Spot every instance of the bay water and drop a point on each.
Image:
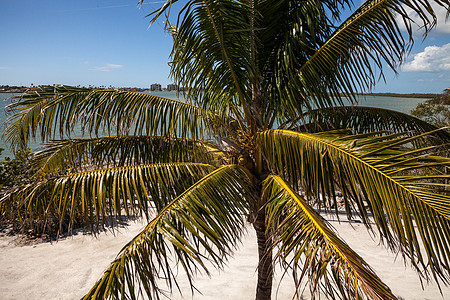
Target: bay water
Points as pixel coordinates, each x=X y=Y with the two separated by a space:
x=401 y=104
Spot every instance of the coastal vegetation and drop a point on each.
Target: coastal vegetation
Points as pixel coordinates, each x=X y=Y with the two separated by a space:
x=435 y=111
x=16 y=173
x=262 y=138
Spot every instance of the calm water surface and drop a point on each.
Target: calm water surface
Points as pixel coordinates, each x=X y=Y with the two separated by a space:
x=394 y=103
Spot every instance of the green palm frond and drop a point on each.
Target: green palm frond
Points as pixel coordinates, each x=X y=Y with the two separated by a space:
x=204 y=55
x=348 y=59
x=205 y=223
x=329 y=264
x=364 y=120
x=94 y=196
x=74 y=155
x=292 y=31
x=51 y=110
x=378 y=175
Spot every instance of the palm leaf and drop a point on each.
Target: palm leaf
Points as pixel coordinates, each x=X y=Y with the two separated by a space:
x=75 y=155
x=58 y=109
x=206 y=218
x=292 y=31
x=98 y=196
x=300 y=233
x=165 y=7
x=370 y=37
x=364 y=120
x=379 y=175
x=206 y=59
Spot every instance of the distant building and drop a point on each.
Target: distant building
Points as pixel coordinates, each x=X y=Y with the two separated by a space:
x=155 y=87
x=172 y=87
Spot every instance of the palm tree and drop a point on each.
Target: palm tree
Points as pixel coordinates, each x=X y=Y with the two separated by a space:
x=262 y=138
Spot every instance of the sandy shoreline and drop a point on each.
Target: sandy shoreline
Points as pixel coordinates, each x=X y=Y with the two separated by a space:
x=68 y=268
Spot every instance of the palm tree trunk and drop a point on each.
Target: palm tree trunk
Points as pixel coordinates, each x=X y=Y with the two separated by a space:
x=265 y=267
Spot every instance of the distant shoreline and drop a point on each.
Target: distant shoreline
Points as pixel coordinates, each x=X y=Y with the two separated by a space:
x=411 y=95
x=12 y=91
x=21 y=89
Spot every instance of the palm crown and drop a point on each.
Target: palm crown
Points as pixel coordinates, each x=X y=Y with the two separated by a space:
x=258 y=140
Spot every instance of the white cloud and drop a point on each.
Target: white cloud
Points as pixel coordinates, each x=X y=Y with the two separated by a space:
x=432 y=59
x=442 y=27
x=108 y=67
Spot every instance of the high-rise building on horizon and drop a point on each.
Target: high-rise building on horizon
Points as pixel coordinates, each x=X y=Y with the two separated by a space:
x=172 y=87
x=155 y=87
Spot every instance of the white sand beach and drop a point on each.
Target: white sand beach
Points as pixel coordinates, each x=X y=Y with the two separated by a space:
x=68 y=268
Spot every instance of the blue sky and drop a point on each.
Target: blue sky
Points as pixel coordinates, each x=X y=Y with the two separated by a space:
x=109 y=42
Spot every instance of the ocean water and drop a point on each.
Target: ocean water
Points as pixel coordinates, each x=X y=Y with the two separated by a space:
x=404 y=105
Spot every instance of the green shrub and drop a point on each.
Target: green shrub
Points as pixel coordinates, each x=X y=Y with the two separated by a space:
x=15 y=174
x=16 y=171
x=433 y=112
